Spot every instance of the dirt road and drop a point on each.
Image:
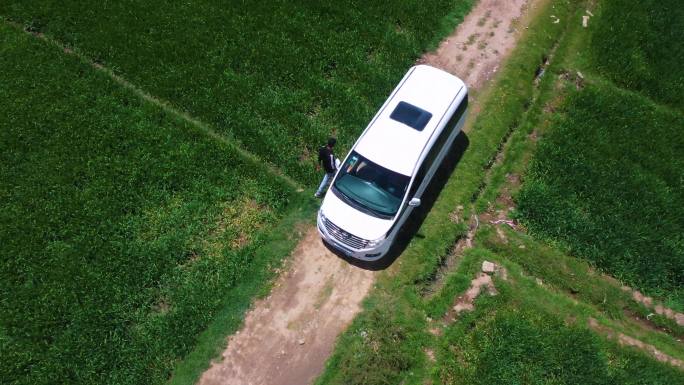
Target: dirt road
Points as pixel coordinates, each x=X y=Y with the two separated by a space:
x=474 y=51
x=288 y=336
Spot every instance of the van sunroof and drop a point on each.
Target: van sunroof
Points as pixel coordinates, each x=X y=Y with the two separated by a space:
x=411 y=115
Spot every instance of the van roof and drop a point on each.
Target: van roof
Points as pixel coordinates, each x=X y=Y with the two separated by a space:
x=396 y=145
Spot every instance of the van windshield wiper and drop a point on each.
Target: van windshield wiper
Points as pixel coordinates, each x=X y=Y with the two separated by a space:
x=358 y=205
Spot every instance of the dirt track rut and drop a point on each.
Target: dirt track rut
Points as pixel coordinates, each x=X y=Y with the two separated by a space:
x=474 y=51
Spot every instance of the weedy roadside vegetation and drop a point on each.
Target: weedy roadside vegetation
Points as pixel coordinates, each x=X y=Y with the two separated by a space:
x=527 y=333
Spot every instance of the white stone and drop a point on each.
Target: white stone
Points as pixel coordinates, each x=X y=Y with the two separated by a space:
x=488 y=267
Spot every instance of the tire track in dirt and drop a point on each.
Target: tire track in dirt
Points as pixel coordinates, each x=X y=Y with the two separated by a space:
x=287 y=337
x=658 y=308
x=486 y=36
x=626 y=340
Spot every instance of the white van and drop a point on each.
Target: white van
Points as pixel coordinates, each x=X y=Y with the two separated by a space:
x=389 y=167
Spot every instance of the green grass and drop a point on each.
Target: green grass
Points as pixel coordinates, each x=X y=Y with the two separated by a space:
x=124 y=229
x=142 y=240
x=384 y=347
x=536 y=331
x=640 y=46
x=537 y=334
x=278 y=77
x=513 y=346
x=505 y=342
x=607 y=181
x=531 y=332
x=576 y=278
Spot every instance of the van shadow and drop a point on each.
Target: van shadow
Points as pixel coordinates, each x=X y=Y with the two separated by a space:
x=410 y=228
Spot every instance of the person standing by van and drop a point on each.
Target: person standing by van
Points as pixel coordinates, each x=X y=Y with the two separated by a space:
x=326 y=157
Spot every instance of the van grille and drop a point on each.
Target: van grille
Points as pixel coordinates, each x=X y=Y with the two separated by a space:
x=344 y=237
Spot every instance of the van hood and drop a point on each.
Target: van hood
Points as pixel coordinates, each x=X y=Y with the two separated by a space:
x=352 y=220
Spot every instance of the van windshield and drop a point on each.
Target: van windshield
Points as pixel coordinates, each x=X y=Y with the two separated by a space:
x=370 y=187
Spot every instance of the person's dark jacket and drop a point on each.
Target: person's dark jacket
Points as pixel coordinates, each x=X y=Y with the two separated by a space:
x=327 y=159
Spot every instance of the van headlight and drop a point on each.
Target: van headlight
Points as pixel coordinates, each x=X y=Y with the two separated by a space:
x=375 y=242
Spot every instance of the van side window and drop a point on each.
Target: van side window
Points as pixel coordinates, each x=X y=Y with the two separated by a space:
x=438 y=145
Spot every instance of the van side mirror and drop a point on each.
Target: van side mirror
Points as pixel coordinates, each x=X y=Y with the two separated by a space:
x=415 y=202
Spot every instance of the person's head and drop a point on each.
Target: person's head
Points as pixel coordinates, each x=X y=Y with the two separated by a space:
x=331 y=142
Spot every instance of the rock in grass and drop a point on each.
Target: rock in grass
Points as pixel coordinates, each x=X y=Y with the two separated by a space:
x=488 y=267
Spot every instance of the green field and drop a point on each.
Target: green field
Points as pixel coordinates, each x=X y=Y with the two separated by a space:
x=135 y=237
x=608 y=177
x=275 y=76
x=640 y=46
x=122 y=226
x=607 y=181
x=137 y=223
